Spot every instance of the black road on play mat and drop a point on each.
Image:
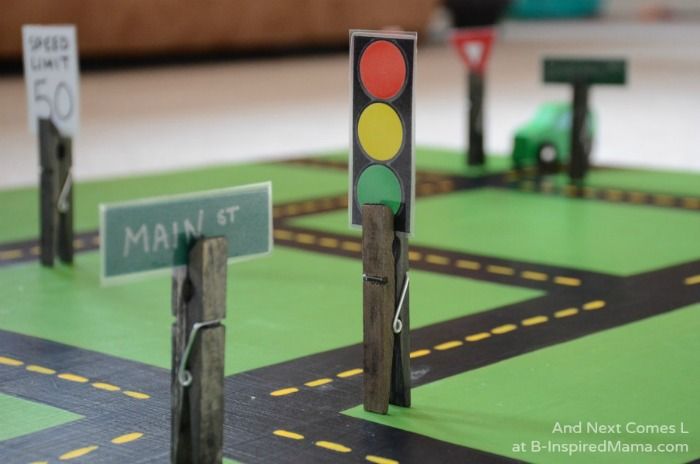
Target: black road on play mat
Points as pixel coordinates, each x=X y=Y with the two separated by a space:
x=577 y=304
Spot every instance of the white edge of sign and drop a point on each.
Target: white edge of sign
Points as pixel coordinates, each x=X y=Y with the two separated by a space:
x=107 y=281
x=383 y=35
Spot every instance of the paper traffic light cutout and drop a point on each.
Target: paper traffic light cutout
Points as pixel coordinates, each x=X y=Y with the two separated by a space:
x=473 y=46
x=382 y=135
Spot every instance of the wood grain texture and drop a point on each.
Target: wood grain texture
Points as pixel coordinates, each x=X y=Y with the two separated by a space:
x=48 y=185
x=64 y=238
x=578 y=163
x=199 y=295
x=378 y=299
x=134 y=27
x=400 y=394
x=55 y=161
x=476 y=156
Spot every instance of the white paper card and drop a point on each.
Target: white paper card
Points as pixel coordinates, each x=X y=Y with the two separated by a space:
x=51 y=76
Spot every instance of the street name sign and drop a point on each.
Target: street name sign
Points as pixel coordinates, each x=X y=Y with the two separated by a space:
x=154 y=234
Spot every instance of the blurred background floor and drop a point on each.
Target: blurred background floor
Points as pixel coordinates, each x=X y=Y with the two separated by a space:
x=171 y=117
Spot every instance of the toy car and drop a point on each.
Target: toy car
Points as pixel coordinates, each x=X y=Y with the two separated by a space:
x=545 y=141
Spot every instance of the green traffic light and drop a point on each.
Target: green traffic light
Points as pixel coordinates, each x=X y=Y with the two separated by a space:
x=378 y=185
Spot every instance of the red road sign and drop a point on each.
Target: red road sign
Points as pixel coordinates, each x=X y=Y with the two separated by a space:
x=474 y=46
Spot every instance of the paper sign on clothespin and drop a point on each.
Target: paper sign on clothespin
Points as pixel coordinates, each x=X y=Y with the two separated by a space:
x=474 y=46
x=51 y=76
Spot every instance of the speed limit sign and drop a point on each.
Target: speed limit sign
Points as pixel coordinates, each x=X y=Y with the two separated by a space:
x=51 y=76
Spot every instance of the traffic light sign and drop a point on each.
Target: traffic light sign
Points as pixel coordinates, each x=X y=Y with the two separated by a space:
x=382 y=141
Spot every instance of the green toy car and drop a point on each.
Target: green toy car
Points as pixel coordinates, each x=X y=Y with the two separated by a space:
x=545 y=141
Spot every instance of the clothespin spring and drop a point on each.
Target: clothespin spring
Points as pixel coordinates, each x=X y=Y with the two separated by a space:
x=62 y=204
x=397 y=325
x=374 y=279
x=183 y=375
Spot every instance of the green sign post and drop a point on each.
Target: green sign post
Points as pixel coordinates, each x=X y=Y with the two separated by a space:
x=581 y=74
x=590 y=71
x=196 y=235
x=154 y=234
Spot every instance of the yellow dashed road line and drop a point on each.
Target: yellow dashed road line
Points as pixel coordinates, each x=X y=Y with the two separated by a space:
x=530 y=321
x=637 y=197
x=309 y=207
x=332 y=446
x=73 y=378
x=318 y=383
x=613 y=195
x=502 y=329
x=664 y=200
x=446 y=185
x=288 y=434
x=532 y=275
x=430 y=258
x=593 y=305
x=380 y=460
x=328 y=242
x=451 y=344
x=136 y=395
x=437 y=259
x=283 y=234
x=448 y=345
x=76 y=453
x=351 y=246
x=10 y=361
x=284 y=391
x=466 y=264
x=501 y=270
x=566 y=313
x=350 y=373
x=85 y=450
x=419 y=353
x=477 y=336
x=34 y=368
x=40 y=369
x=569 y=281
x=329 y=445
x=692 y=280
x=105 y=386
x=307 y=239
x=691 y=203
x=10 y=254
x=126 y=438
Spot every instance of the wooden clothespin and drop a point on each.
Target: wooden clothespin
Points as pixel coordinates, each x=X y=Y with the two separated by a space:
x=56 y=194
x=580 y=141
x=581 y=74
x=387 y=369
x=198 y=341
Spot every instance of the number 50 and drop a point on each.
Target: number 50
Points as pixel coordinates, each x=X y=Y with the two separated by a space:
x=62 y=102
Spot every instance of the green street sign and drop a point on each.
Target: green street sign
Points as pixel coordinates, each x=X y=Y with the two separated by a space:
x=157 y=233
x=586 y=71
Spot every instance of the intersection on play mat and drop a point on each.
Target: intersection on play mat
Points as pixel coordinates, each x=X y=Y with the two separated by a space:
x=530 y=305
